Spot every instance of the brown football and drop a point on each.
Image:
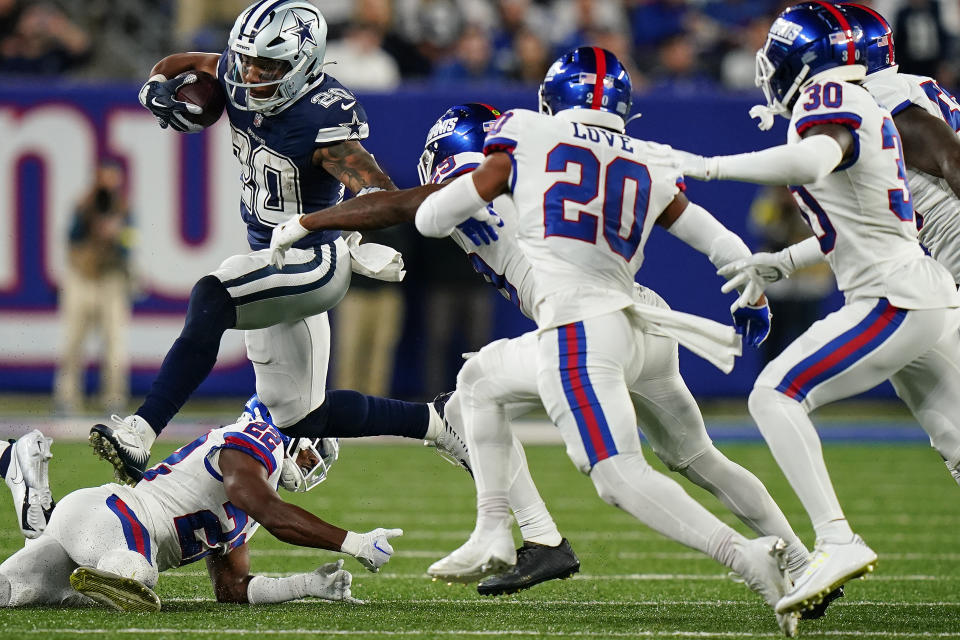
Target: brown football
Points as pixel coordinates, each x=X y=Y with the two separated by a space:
x=207 y=94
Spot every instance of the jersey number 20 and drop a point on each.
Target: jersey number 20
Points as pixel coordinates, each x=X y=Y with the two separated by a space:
x=584 y=227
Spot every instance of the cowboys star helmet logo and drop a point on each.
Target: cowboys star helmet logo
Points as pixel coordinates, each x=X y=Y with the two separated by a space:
x=303 y=32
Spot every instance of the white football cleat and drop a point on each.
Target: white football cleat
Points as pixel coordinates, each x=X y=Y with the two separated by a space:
x=450 y=444
x=29 y=482
x=114 y=591
x=762 y=563
x=831 y=565
x=485 y=553
x=126 y=446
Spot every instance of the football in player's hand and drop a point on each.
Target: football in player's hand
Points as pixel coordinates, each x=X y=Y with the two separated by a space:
x=207 y=94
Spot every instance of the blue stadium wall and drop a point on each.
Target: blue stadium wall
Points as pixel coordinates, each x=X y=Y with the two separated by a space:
x=181 y=190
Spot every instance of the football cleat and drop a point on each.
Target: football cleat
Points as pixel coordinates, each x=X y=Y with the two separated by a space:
x=831 y=566
x=819 y=610
x=29 y=482
x=762 y=563
x=126 y=446
x=114 y=591
x=536 y=563
x=485 y=553
x=450 y=444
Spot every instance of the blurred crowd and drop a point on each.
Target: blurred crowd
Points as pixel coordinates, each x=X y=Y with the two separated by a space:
x=681 y=45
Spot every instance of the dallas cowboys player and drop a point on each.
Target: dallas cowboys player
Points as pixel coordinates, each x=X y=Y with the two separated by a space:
x=205 y=500
x=296 y=132
x=505 y=372
x=900 y=319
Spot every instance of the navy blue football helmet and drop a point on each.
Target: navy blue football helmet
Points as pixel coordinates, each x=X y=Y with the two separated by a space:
x=588 y=78
x=876 y=32
x=461 y=128
x=805 y=41
x=294 y=477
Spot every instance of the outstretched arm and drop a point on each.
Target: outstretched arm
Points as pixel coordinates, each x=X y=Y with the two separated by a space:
x=232 y=582
x=821 y=150
x=245 y=482
x=465 y=196
x=930 y=145
x=377 y=210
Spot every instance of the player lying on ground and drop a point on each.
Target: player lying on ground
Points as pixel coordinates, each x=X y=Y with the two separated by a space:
x=900 y=320
x=297 y=135
x=205 y=500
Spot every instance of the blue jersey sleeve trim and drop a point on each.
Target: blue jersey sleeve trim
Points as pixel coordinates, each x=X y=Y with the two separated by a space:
x=493 y=145
x=242 y=442
x=900 y=107
x=850 y=120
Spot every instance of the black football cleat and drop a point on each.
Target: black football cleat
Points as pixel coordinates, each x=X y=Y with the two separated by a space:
x=536 y=563
x=818 y=610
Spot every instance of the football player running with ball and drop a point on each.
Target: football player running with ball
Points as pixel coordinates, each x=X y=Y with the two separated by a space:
x=205 y=500
x=296 y=133
x=844 y=157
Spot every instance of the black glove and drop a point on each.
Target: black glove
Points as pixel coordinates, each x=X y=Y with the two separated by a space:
x=159 y=96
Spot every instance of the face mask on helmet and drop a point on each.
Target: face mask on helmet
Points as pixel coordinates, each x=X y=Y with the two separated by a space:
x=592 y=79
x=460 y=129
x=306 y=462
x=877 y=34
x=276 y=53
x=807 y=41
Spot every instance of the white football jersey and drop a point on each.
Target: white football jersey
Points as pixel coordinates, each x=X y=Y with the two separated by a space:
x=501 y=263
x=862 y=212
x=587 y=199
x=935 y=203
x=183 y=499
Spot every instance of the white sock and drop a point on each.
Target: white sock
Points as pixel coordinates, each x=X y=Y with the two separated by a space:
x=795 y=445
x=628 y=482
x=263 y=590
x=745 y=496
x=493 y=510
x=434 y=424
x=536 y=523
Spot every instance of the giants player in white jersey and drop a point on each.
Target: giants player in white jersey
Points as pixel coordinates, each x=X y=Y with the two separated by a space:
x=205 y=500
x=500 y=382
x=928 y=120
x=900 y=319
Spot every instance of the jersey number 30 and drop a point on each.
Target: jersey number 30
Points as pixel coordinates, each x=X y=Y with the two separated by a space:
x=616 y=175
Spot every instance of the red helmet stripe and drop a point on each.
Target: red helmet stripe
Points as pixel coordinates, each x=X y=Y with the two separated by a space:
x=886 y=24
x=845 y=25
x=601 y=74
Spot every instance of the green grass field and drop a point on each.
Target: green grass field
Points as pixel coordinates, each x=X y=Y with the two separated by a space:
x=633 y=583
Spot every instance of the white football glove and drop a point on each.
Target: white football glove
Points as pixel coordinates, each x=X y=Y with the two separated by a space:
x=694 y=166
x=764 y=116
x=373 y=548
x=284 y=236
x=751 y=275
x=330 y=582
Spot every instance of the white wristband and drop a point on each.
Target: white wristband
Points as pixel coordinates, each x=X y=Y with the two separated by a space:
x=443 y=210
x=805 y=253
x=351 y=544
x=263 y=590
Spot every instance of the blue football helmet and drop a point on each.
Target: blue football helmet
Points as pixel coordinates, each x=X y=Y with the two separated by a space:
x=588 y=78
x=288 y=37
x=461 y=128
x=806 y=41
x=294 y=477
x=876 y=32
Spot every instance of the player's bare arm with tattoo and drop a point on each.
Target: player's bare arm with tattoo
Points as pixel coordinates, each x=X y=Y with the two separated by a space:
x=352 y=165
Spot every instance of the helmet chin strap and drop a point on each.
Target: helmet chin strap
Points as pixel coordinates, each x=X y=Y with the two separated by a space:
x=631 y=119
